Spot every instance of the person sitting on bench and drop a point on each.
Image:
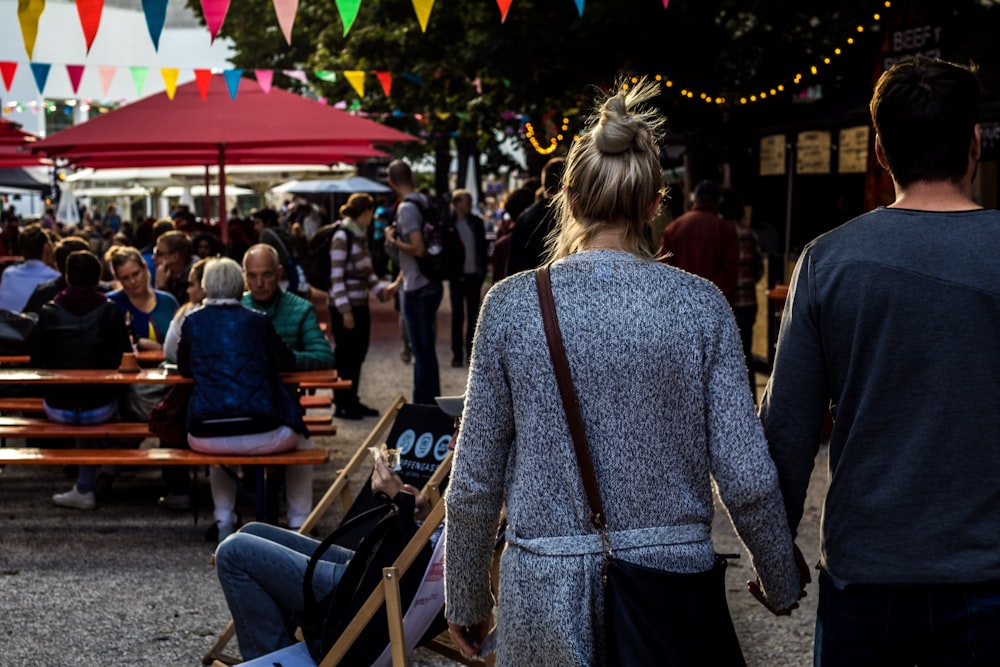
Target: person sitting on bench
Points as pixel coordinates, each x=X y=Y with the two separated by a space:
x=80 y=328
x=239 y=403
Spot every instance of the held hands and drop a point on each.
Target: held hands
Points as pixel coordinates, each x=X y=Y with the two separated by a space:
x=804 y=578
x=469 y=638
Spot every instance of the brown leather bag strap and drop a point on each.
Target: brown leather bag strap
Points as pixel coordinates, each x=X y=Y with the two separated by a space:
x=570 y=405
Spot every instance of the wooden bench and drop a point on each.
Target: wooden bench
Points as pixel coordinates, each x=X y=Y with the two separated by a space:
x=35 y=427
x=28 y=404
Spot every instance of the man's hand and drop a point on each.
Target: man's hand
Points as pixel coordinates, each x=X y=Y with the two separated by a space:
x=469 y=638
x=163 y=275
x=805 y=577
x=348 y=319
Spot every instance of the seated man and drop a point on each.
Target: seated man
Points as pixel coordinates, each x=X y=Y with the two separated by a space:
x=19 y=281
x=80 y=328
x=45 y=292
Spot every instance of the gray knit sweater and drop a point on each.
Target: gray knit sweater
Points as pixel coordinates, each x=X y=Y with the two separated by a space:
x=658 y=369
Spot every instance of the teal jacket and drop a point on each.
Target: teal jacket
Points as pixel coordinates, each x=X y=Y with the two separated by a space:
x=296 y=322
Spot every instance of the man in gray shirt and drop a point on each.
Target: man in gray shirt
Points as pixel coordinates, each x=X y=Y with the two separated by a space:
x=893 y=323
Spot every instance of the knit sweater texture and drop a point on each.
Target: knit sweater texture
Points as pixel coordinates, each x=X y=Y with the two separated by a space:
x=658 y=370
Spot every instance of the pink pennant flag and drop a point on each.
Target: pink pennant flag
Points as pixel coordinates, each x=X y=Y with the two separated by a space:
x=385 y=78
x=75 y=74
x=296 y=74
x=285 y=9
x=665 y=3
x=423 y=10
x=264 y=78
x=203 y=78
x=215 y=14
x=107 y=73
x=7 y=69
x=478 y=84
x=504 y=8
x=90 y=18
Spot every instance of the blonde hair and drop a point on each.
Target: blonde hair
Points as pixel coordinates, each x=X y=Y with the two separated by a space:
x=613 y=177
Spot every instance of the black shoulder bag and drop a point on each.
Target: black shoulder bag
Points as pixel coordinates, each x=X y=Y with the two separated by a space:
x=651 y=617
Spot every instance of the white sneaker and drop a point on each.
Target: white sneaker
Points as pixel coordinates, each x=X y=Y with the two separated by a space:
x=75 y=500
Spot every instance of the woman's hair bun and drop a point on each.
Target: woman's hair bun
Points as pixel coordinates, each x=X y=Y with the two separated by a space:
x=621 y=126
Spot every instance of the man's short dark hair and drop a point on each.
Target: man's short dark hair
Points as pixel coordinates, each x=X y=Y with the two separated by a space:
x=83 y=269
x=552 y=175
x=267 y=216
x=32 y=241
x=708 y=192
x=925 y=112
x=400 y=173
x=161 y=227
x=178 y=242
x=67 y=246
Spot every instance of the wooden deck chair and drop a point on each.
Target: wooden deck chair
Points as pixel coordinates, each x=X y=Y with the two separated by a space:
x=422 y=451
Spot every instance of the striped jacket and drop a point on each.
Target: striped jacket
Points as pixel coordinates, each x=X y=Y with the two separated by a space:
x=351 y=277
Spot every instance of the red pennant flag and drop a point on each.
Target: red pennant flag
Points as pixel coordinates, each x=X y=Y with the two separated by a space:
x=7 y=69
x=203 y=77
x=75 y=74
x=215 y=14
x=504 y=8
x=90 y=18
x=385 y=78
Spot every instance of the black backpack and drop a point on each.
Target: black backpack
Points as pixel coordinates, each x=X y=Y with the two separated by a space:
x=323 y=621
x=318 y=255
x=445 y=253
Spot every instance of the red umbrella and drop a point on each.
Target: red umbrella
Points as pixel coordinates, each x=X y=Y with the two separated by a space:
x=271 y=155
x=15 y=145
x=159 y=128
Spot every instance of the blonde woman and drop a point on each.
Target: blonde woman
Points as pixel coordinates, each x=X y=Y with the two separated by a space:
x=658 y=371
x=147 y=311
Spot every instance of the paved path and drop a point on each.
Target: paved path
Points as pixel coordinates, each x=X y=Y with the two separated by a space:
x=131 y=584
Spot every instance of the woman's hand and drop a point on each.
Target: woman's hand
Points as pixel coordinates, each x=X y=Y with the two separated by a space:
x=148 y=344
x=348 y=319
x=804 y=578
x=469 y=638
x=390 y=483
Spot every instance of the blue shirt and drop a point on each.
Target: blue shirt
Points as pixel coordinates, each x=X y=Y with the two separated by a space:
x=20 y=280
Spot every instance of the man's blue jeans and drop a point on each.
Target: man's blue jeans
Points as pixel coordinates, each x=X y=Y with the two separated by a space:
x=903 y=626
x=261 y=569
x=420 y=310
x=86 y=476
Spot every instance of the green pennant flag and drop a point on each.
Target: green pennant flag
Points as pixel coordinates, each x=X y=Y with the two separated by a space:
x=139 y=78
x=325 y=75
x=348 y=12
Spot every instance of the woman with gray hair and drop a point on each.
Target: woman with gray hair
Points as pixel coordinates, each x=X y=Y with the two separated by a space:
x=239 y=403
x=657 y=368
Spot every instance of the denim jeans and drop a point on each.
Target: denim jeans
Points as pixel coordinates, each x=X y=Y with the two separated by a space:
x=86 y=475
x=261 y=569
x=902 y=626
x=420 y=310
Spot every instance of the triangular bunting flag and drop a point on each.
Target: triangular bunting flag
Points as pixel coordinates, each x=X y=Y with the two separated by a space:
x=264 y=77
x=579 y=6
x=443 y=115
x=348 y=12
x=156 y=16
x=8 y=69
x=75 y=74
x=90 y=18
x=285 y=10
x=504 y=8
x=357 y=80
x=423 y=10
x=414 y=77
x=477 y=83
x=385 y=78
x=665 y=3
x=215 y=14
x=139 y=78
x=41 y=72
x=107 y=73
x=169 y=75
x=233 y=77
x=325 y=75
x=296 y=74
x=28 y=12
x=203 y=78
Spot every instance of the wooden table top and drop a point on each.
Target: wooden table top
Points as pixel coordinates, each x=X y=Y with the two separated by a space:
x=144 y=357
x=144 y=376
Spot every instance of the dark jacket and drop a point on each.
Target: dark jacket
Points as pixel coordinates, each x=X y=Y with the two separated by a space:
x=236 y=359
x=478 y=228
x=527 y=241
x=80 y=328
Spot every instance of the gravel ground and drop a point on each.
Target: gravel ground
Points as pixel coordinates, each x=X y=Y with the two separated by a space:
x=131 y=584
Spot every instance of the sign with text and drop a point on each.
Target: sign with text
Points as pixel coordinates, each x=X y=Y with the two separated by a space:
x=772 y=155
x=852 y=156
x=813 y=153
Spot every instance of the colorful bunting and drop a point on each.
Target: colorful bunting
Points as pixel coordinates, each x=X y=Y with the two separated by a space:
x=90 y=18
x=414 y=77
x=579 y=6
x=504 y=8
x=325 y=75
x=233 y=77
x=665 y=3
x=348 y=12
x=385 y=78
x=41 y=72
x=8 y=69
x=75 y=73
x=170 y=75
x=264 y=78
x=423 y=10
x=285 y=11
x=203 y=79
x=215 y=14
x=296 y=74
x=156 y=16
x=139 y=74
x=107 y=74
x=357 y=80
x=28 y=13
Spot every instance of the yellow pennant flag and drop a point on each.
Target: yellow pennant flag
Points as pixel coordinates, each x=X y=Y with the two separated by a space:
x=170 y=75
x=443 y=115
x=28 y=13
x=357 y=80
x=423 y=10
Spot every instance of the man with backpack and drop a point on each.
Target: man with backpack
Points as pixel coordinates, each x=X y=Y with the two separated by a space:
x=421 y=295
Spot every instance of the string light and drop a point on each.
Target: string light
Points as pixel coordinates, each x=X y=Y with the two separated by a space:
x=529 y=133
